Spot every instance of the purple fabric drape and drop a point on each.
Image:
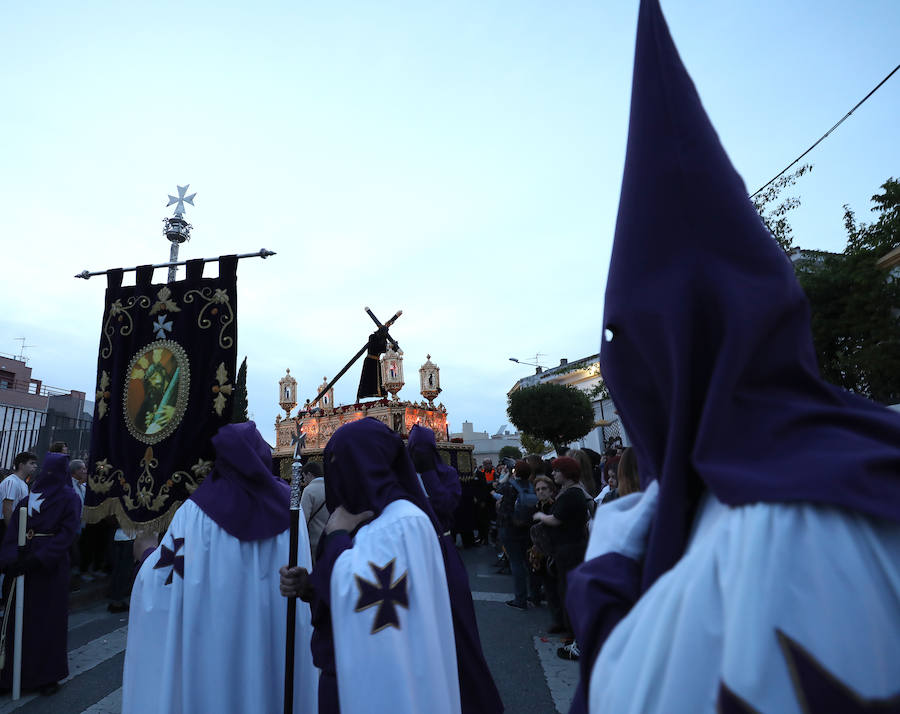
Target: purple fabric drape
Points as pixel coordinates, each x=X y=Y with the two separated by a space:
x=241 y=494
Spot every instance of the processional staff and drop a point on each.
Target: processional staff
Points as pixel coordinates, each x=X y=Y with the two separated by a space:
x=299 y=442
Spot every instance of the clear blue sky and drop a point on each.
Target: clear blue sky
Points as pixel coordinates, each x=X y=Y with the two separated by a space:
x=460 y=161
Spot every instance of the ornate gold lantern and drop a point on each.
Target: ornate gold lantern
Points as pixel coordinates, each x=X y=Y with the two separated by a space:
x=392 y=371
x=429 y=380
x=327 y=400
x=287 y=392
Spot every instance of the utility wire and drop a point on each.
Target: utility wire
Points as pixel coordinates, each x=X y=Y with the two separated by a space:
x=821 y=138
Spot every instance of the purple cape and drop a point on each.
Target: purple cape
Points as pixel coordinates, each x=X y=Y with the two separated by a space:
x=55 y=519
x=367 y=468
x=241 y=494
x=711 y=360
x=441 y=481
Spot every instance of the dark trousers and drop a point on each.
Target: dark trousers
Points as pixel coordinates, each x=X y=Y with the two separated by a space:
x=483 y=517
x=94 y=542
x=551 y=592
x=516 y=547
x=568 y=557
x=123 y=570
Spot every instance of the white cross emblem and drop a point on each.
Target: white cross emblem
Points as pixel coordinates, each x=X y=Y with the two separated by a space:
x=181 y=199
x=161 y=326
x=35 y=500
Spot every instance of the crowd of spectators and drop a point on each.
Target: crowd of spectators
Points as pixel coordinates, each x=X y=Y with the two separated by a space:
x=544 y=509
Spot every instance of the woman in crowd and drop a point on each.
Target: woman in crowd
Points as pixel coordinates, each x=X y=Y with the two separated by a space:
x=536 y=464
x=627 y=475
x=514 y=533
x=567 y=522
x=540 y=555
x=587 y=470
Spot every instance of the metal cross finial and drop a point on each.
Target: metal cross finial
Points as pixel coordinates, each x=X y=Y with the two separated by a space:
x=298 y=441
x=181 y=199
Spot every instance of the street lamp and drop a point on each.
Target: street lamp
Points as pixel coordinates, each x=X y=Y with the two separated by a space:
x=538 y=368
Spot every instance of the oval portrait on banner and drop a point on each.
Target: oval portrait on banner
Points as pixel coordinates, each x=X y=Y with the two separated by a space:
x=156 y=392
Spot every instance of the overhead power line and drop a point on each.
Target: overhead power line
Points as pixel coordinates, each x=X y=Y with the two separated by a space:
x=821 y=138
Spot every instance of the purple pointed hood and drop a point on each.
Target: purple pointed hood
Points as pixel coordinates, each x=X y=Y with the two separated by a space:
x=50 y=493
x=51 y=501
x=441 y=481
x=241 y=494
x=367 y=468
x=711 y=360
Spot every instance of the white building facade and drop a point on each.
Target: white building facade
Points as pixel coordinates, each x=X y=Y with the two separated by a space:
x=584 y=374
x=487 y=446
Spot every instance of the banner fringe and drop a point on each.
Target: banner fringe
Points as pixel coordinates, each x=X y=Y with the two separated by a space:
x=114 y=507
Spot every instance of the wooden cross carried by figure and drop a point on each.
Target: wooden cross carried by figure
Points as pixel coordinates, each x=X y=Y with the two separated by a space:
x=298 y=440
x=382 y=331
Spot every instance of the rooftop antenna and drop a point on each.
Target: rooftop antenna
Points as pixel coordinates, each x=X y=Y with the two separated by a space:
x=22 y=357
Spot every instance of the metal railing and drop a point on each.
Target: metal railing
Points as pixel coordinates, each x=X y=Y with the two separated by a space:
x=32 y=388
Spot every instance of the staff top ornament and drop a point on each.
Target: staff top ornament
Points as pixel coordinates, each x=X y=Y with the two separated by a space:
x=181 y=199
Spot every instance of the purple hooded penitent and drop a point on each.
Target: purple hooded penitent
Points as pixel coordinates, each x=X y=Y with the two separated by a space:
x=711 y=361
x=707 y=347
x=442 y=481
x=241 y=494
x=366 y=468
x=53 y=519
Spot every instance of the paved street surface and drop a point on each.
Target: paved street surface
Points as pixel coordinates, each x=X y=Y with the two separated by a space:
x=522 y=657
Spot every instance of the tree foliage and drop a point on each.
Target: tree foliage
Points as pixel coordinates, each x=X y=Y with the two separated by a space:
x=773 y=212
x=239 y=398
x=855 y=304
x=510 y=452
x=551 y=412
x=533 y=445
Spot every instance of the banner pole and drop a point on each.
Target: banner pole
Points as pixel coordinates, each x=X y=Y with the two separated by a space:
x=20 y=614
x=262 y=253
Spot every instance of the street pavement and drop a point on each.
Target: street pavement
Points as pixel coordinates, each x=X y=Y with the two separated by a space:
x=519 y=652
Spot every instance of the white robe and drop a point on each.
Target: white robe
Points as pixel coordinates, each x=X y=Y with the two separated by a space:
x=408 y=667
x=828 y=579
x=214 y=640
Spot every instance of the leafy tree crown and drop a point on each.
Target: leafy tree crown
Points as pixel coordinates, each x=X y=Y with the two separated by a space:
x=551 y=412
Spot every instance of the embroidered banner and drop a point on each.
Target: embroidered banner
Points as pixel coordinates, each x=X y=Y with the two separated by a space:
x=165 y=372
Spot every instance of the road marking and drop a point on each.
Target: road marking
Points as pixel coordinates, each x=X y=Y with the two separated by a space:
x=110 y=704
x=561 y=674
x=81 y=660
x=491 y=597
x=86 y=616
